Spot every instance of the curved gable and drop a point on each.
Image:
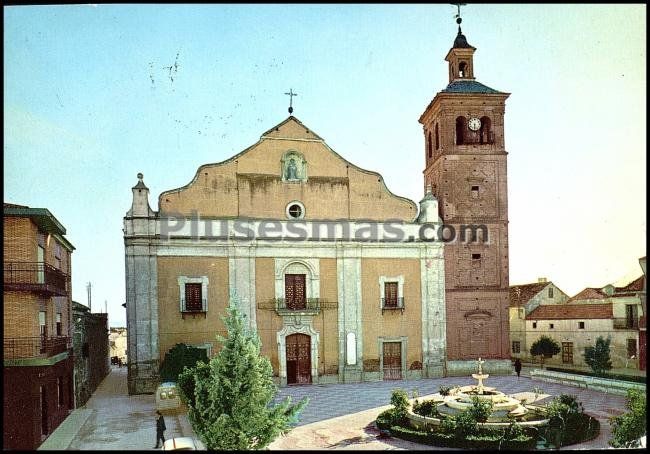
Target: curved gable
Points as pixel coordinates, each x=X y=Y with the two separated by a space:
x=261 y=181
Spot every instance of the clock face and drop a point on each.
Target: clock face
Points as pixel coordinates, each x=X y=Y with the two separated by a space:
x=474 y=124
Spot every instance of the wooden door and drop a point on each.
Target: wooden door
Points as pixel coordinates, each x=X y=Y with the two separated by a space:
x=44 y=425
x=392 y=360
x=567 y=352
x=298 y=359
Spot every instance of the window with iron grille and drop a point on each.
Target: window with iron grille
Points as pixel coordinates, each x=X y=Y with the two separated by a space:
x=59 y=326
x=516 y=347
x=193 y=298
x=390 y=294
x=294 y=291
x=631 y=348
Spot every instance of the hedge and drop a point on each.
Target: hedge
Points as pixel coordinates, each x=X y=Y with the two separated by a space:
x=620 y=377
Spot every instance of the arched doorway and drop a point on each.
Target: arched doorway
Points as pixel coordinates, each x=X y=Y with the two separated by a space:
x=298 y=359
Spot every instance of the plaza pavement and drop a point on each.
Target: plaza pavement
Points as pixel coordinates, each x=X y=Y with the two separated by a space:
x=338 y=416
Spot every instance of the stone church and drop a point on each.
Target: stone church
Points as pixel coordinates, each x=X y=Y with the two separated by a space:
x=343 y=280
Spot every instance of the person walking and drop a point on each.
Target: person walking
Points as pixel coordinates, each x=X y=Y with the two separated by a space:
x=160 y=428
x=518 y=367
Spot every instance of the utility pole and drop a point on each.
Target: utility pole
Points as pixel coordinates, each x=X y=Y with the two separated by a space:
x=105 y=307
x=89 y=290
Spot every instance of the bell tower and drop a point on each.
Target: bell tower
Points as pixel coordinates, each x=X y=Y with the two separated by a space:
x=465 y=167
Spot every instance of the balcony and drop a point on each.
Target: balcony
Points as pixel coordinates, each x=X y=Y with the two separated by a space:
x=35 y=277
x=311 y=306
x=392 y=304
x=626 y=323
x=35 y=347
x=194 y=309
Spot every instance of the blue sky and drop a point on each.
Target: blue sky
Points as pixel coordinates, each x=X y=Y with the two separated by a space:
x=89 y=102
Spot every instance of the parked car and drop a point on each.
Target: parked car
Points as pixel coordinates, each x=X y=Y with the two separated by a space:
x=183 y=444
x=167 y=397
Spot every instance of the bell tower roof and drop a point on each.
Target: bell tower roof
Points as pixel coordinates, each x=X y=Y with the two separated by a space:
x=461 y=42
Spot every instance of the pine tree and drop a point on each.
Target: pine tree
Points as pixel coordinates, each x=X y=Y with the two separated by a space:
x=597 y=357
x=229 y=399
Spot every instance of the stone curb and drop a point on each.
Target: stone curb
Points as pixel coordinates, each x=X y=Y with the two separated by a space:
x=61 y=438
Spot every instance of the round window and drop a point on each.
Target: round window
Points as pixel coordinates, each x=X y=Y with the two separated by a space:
x=295 y=210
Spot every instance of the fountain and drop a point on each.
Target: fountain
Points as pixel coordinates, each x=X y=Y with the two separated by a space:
x=504 y=408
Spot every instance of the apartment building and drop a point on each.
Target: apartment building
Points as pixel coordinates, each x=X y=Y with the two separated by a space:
x=38 y=382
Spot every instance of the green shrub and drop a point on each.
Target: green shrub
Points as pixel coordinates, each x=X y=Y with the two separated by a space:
x=386 y=419
x=400 y=401
x=428 y=408
x=568 y=424
x=629 y=427
x=445 y=390
x=480 y=409
x=465 y=424
x=178 y=357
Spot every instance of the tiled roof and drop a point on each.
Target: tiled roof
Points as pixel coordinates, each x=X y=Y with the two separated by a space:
x=521 y=294
x=571 y=311
x=590 y=293
x=635 y=286
x=468 y=86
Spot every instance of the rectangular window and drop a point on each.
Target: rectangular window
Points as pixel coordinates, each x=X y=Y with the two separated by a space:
x=57 y=255
x=550 y=292
x=550 y=326
x=631 y=315
x=474 y=192
x=59 y=327
x=534 y=325
x=516 y=347
x=294 y=291
x=193 y=298
x=581 y=325
x=390 y=294
x=59 y=388
x=476 y=256
x=631 y=348
x=567 y=352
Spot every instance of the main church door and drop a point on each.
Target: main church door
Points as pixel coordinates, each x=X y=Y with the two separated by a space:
x=298 y=359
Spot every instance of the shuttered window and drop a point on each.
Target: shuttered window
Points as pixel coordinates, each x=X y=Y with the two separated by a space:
x=390 y=293
x=193 y=298
x=294 y=291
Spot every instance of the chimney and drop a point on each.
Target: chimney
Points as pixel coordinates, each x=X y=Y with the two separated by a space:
x=541 y=280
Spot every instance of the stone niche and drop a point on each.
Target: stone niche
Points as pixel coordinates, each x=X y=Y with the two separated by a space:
x=293 y=167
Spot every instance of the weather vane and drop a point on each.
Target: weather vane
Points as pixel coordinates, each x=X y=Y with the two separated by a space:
x=291 y=95
x=457 y=16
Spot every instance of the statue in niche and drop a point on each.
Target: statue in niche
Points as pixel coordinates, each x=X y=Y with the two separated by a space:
x=293 y=167
x=292 y=170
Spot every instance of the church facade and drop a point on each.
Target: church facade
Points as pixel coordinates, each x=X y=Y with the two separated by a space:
x=342 y=280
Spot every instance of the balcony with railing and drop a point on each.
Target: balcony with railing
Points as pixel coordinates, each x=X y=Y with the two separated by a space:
x=308 y=306
x=392 y=304
x=194 y=307
x=626 y=323
x=36 y=277
x=35 y=347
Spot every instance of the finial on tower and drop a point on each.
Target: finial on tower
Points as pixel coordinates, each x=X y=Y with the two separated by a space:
x=291 y=94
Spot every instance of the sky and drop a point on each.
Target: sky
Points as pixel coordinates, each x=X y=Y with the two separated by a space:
x=94 y=94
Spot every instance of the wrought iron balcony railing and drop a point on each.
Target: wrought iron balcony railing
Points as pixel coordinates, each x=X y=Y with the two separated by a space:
x=35 y=276
x=388 y=304
x=194 y=308
x=35 y=347
x=626 y=323
x=309 y=305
